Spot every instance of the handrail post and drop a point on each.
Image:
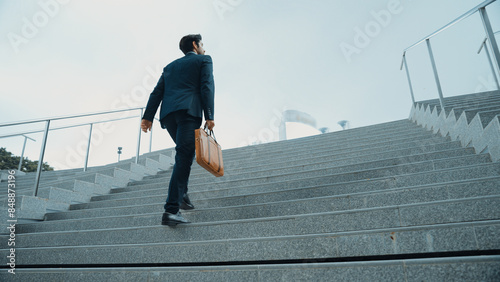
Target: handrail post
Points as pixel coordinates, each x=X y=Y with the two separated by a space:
x=491 y=37
x=88 y=148
x=139 y=138
x=436 y=77
x=40 y=161
x=22 y=154
x=491 y=64
x=409 y=80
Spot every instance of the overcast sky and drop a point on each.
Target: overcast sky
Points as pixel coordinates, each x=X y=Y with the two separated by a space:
x=334 y=60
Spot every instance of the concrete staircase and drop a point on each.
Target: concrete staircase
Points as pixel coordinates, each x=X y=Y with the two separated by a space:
x=59 y=189
x=472 y=119
x=390 y=202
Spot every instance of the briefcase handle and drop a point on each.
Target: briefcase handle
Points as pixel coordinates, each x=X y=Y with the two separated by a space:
x=210 y=133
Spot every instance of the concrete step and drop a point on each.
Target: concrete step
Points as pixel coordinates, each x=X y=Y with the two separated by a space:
x=65 y=196
x=103 y=184
x=473 y=268
x=396 y=165
x=487 y=116
x=262 y=195
x=343 y=158
x=262 y=147
x=420 y=214
x=321 y=140
x=463 y=108
x=151 y=161
x=290 y=194
x=381 y=153
x=63 y=193
x=384 y=182
x=298 y=154
x=468 y=99
x=337 y=175
x=308 y=200
x=417 y=153
x=410 y=179
x=477 y=126
x=120 y=177
x=461 y=105
x=470 y=113
x=400 y=125
x=326 y=141
x=322 y=145
x=116 y=170
x=488 y=142
x=29 y=180
x=29 y=207
x=336 y=170
x=436 y=238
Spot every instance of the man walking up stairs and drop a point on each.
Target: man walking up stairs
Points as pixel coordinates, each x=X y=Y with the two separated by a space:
x=389 y=202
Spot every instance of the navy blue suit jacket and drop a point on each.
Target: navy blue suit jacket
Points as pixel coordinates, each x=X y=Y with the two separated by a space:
x=186 y=84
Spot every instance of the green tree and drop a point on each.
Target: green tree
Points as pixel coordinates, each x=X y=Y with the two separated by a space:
x=9 y=161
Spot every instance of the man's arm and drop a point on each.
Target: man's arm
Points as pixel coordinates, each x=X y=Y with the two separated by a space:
x=207 y=90
x=154 y=101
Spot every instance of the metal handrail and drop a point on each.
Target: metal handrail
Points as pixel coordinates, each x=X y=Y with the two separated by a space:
x=483 y=44
x=47 y=129
x=64 y=127
x=481 y=8
x=67 y=117
x=22 y=153
x=484 y=41
x=455 y=21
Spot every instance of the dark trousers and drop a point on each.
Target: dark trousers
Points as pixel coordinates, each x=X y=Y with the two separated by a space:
x=180 y=126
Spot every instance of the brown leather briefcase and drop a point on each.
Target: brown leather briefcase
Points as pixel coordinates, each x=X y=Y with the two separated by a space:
x=208 y=152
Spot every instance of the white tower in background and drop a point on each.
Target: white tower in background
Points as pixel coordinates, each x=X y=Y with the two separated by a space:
x=294 y=116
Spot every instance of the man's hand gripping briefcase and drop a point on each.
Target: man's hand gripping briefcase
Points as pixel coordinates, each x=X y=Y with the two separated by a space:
x=208 y=152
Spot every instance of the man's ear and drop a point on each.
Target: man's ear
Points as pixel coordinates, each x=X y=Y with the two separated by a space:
x=195 y=45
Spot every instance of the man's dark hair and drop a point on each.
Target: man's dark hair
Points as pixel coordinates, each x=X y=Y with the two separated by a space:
x=186 y=43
